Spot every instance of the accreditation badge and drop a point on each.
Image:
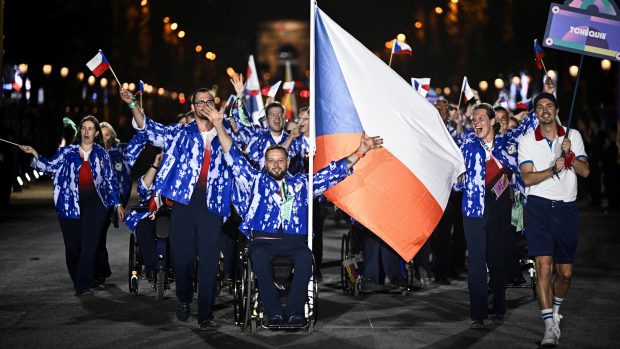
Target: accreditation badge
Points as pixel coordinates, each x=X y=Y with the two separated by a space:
x=286 y=209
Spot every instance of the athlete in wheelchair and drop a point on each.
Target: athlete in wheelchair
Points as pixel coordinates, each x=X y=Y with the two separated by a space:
x=273 y=205
x=149 y=252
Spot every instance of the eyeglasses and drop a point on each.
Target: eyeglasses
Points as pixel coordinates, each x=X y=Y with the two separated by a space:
x=205 y=102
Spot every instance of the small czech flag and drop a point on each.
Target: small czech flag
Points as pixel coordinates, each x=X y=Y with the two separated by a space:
x=400 y=48
x=99 y=64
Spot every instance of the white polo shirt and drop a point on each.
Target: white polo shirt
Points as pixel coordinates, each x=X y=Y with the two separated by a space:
x=542 y=153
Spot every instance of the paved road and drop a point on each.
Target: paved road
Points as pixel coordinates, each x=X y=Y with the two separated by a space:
x=38 y=308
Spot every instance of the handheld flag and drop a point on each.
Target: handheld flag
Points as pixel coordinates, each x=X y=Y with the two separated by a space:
x=254 y=100
x=288 y=100
x=288 y=87
x=141 y=87
x=98 y=64
x=469 y=94
x=231 y=100
x=502 y=100
x=400 y=48
x=538 y=56
x=422 y=85
x=271 y=90
x=400 y=191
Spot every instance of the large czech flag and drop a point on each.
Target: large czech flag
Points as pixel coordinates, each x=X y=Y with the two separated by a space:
x=400 y=191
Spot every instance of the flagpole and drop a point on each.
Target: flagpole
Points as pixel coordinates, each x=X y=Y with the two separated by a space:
x=572 y=104
x=115 y=77
x=391 y=53
x=15 y=144
x=544 y=68
x=458 y=107
x=141 y=107
x=313 y=10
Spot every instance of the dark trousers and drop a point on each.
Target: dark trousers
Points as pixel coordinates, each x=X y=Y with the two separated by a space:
x=375 y=251
x=293 y=247
x=101 y=266
x=486 y=241
x=145 y=231
x=441 y=242
x=81 y=237
x=318 y=218
x=195 y=232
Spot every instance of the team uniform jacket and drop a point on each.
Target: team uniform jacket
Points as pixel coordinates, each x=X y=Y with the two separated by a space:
x=132 y=219
x=123 y=156
x=65 y=165
x=504 y=149
x=258 y=200
x=180 y=167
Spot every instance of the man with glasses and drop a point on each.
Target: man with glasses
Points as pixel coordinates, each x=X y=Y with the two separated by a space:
x=196 y=178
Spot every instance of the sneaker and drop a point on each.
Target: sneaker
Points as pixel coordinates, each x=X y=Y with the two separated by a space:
x=208 y=325
x=550 y=339
x=296 y=321
x=370 y=285
x=87 y=292
x=476 y=325
x=556 y=324
x=497 y=319
x=275 y=320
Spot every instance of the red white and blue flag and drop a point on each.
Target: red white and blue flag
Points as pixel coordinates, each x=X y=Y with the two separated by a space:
x=288 y=87
x=469 y=93
x=254 y=100
x=538 y=54
x=502 y=100
x=271 y=91
x=400 y=191
x=98 y=64
x=422 y=85
x=400 y=48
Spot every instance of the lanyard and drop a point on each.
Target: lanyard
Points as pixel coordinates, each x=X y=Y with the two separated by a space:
x=489 y=154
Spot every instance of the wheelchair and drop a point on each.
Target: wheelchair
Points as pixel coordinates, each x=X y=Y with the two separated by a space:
x=248 y=311
x=352 y=265
x=162 y=273
x=527 y=265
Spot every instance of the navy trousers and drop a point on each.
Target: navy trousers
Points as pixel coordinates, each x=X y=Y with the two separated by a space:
x=81 y=238
x=145 y=231
x=195 y=232
x=377 y=251
x=487 y=238
x=293 y=247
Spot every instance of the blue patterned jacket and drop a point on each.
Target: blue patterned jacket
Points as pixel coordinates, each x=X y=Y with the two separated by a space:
x=123 y=156
x=259 y=203
x=132 y=219
x=504 y=149
x=65 y=166
x=180 y=167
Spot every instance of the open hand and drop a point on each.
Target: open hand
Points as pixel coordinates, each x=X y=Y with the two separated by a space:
x=215 y=116
x=369 y=143
x=237 y=82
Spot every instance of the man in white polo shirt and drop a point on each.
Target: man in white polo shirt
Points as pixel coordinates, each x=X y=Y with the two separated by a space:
x=549 y=161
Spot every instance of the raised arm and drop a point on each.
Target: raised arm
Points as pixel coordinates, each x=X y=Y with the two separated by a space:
x=335 y=172
x=42 y=164
x=136 y=112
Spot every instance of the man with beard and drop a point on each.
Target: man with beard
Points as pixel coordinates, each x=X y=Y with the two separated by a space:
x=550 y=162
x=274 y=207
x=196 y=178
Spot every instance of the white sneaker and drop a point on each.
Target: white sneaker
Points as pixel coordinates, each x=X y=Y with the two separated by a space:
x=556 y=325
x=550 y=339
x=553 y=333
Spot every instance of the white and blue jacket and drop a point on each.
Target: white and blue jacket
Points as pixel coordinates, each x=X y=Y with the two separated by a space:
x=65 y=166
x=180 y=167
x=504 y=149
x=132 y=219
x=258 y=200
x=123 y=156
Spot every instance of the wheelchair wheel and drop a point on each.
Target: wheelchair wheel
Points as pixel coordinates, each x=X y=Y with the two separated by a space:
x=160 y=285
x=133 y=272
x=247 y=295
x=344 y=254
x=312 y=300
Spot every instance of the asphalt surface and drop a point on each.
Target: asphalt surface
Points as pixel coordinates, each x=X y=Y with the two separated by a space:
x=38 y=308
